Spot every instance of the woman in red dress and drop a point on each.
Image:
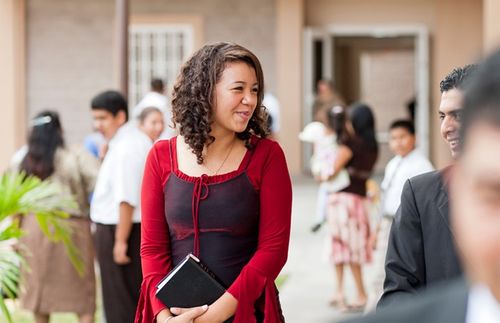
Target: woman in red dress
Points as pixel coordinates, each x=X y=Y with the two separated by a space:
x=219 y=190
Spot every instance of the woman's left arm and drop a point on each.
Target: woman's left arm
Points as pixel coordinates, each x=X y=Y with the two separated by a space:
x=275 y=188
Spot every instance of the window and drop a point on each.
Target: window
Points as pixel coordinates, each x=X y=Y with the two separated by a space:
x=156 y=51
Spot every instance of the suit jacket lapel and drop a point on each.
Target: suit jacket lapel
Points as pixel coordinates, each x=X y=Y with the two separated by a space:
x=442 y=203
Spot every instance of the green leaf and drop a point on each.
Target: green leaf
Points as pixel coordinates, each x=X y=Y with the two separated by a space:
x=21 y=195
x=11 y=232
x=4 y=309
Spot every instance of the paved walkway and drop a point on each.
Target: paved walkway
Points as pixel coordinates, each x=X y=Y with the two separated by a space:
x=311 y=281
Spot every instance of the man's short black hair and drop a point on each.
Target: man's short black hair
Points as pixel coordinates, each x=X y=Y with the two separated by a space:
x=405 y=124
x=457 y=78
x=482 y=96
x=111 y=101
x=157 y=85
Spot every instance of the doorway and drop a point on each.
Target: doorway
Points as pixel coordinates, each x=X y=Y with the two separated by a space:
x=383 y=67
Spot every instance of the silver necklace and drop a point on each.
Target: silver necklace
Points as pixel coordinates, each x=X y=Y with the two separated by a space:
x=224 y=161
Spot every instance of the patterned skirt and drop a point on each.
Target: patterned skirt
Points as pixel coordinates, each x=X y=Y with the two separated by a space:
x=349 y=228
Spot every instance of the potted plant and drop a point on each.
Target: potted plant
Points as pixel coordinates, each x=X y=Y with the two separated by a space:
x=21 y=195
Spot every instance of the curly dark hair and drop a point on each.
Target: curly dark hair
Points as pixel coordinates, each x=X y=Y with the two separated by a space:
x=194 y=93
x=457 y=78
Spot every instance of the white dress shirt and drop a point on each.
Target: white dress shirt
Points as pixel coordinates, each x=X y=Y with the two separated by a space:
x=120 y=176
x=482 y=306
x=398 y=170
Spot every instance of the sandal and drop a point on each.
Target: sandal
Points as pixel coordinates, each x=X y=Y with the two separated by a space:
x=357 y=307
x=337 y=301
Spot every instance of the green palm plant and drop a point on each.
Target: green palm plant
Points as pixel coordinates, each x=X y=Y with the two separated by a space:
x=21 y=195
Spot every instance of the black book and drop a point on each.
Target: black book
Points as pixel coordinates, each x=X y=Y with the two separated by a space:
x=189 y=284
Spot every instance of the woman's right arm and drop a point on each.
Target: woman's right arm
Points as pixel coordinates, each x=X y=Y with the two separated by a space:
x=344 y=155
x=155 y=242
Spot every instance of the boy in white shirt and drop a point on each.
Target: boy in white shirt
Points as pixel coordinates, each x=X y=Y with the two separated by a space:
x=115 y=207
x=407 y=163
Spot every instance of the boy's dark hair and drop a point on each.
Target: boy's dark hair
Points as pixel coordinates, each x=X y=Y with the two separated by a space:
x=482 y=96
x=111 y=101
x=405 y=124
x=457 y=78
x=157 y=85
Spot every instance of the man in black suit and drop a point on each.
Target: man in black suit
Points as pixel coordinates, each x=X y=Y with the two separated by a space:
x=475 y=205
x=421 y=249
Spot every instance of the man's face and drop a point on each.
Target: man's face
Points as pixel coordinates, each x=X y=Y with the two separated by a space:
x=449 y=114
x=475 y=198
x=401 y=141
x=106 y=123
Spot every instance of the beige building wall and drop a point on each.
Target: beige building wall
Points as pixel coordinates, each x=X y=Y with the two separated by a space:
x=396 y=69
x=491 y=24
x=456 y=41
x=455 y=28
x=12 y=81
x=363 y=12
x=69 y=59
x=249 y=23
x=69 y=48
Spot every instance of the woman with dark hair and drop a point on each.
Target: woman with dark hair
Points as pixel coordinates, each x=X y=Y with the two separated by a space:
x=347 y=216
x=50 y=283
x=219 y=190
x=151 y=123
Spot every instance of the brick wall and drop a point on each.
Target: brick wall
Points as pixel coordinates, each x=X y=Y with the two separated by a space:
x=69 y=58
x=70 y=47
x=248 y=23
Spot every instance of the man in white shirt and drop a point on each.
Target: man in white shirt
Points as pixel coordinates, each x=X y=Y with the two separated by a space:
x=156 y=98
x=115 y=207
x=475 y=210
x=406 y=163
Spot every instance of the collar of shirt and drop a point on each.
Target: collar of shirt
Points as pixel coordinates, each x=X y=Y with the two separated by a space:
x=398 y=171
x=412 y=154
x=124 y=130
x=396 y=163
x=482 y=306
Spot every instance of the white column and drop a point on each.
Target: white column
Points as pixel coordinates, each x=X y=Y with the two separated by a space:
x=289 y=29
x=12 y=78
x=491 y=25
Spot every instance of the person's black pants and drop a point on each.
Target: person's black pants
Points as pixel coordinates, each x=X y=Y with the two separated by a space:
x=120 y=283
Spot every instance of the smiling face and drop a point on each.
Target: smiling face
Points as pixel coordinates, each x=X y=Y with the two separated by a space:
x=475 y=197
x=152 y=124
x=449 y=114
x=107 y=123
x=236 y=95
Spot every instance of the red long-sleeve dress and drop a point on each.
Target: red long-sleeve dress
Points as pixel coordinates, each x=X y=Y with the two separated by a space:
x=243 y=226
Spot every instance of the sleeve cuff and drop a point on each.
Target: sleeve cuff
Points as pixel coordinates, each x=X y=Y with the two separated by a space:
x=148 y=306
x=250 y=285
